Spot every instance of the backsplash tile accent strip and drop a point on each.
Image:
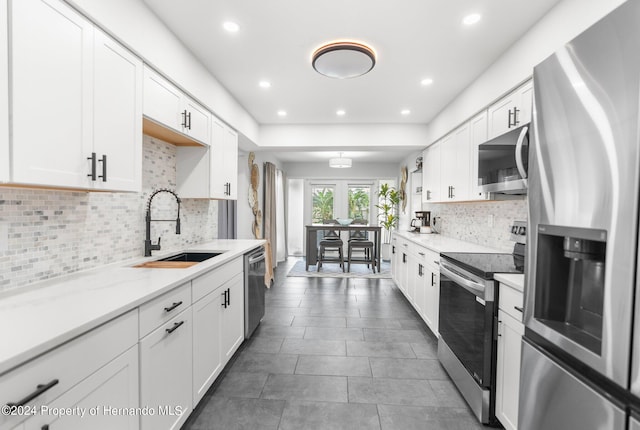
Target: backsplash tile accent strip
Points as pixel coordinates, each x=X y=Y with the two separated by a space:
x=470 y=221
x=53 y=233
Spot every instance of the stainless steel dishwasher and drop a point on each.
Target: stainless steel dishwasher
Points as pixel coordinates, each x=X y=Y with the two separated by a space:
x=254 y=290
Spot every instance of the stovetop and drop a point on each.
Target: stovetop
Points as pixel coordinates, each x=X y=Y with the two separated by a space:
x=486 y=265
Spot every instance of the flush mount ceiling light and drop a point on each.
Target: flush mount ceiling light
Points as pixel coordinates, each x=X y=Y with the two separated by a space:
x=343 y=59
x=340 y=162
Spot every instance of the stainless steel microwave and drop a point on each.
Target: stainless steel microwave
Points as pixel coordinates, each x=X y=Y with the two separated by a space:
x=503 y=162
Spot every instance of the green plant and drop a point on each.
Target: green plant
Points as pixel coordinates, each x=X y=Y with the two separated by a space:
x=389 y=198
x=322 y=204
x=358 y=203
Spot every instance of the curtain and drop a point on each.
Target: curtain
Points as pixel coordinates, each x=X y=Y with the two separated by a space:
x=227 y=224
x=281 y=231
x=270 y=204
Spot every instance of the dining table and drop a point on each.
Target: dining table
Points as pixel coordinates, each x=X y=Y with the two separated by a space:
x=312 y=239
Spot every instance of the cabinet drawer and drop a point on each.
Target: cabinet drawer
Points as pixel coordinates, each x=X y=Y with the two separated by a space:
x=163 y=308
x=68 y=364
x=510 y=301
x=427 y=257
x=208 y=282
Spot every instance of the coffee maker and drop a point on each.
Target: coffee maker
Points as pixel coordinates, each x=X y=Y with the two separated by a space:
x=424 y=217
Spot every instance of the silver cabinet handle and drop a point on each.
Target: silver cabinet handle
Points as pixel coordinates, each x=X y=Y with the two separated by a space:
x=519 y=162
x=473 y=287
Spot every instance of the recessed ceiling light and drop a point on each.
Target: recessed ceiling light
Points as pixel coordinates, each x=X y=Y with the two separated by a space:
x=231 y=26
x=471 y=19
x=405 y=111
x=265 y=84
x=427 y=81
x=282 y=113
x=341 y=112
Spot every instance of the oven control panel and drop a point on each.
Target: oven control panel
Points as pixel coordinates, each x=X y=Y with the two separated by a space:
x=519 y=232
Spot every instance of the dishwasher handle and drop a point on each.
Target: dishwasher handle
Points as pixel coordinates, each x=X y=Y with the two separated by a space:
x=256 y=257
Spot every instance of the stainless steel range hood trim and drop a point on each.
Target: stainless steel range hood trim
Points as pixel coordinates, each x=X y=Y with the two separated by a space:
x=518 y=186
x=477 y=398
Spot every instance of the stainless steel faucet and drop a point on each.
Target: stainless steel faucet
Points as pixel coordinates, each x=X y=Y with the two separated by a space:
x=148 y=246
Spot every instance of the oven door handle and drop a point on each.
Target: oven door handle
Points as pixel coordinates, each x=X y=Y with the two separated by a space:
x=473 y=287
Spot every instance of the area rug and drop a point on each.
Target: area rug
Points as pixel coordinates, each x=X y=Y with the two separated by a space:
x=333 y=270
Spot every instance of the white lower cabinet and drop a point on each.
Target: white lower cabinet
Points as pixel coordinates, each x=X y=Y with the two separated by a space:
x=510 y=332
x=101 y=401
x=232 y=319
x=417 y=275
x=207 y=356
x=166 y=373
x=88 y=366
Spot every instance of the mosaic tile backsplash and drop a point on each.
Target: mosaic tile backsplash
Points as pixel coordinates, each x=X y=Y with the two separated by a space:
x=53 y=233
x=470 y=221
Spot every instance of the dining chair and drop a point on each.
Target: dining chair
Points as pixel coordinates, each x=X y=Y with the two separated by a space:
x=359 y=242
x=331 y=242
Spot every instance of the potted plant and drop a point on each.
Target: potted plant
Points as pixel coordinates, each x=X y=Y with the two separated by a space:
x=389 y=198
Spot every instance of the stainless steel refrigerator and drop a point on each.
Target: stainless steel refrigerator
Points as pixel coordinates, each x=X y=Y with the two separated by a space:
x=580 y=365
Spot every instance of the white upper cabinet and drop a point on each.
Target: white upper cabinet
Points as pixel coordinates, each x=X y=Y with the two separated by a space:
x=455 y=169
x=224 y=156
x=4 y=91
x=431 y=166
x=478 y=135
x=51 y=65
x=210 y=173
x=117 y=114
x=166 y=104
x=76 y=102
x=511 y=111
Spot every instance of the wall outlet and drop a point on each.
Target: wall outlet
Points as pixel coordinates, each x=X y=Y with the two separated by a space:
x=490 y=220
x=4 y=237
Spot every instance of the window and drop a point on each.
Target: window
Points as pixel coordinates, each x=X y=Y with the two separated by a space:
x=322 y=205
x=359 y=202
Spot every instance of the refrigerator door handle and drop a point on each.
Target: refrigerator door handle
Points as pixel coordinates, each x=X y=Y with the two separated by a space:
x=519 y=162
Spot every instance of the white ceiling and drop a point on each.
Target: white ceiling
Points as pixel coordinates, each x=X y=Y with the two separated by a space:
x=414 y=40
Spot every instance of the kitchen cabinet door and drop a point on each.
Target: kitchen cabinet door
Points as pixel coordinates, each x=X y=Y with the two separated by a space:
x=207 y=328
x=224 y=162
x=52 y=79
x=510 y=332
x=162 y=101
x=431 y=162
x=166 y=376
x=4 y=92
x=448 y=167
x=455 y=165
x=420 y=276
x=394 y=258
x=412 y=277
x=113 y=387
x=432 y=297
x=511 y=111
x=232 y=325
x=478 y=135
x=198 y=124
x=117 y=113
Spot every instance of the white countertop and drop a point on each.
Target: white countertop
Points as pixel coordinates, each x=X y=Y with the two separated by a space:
x=513 y=280
x=439 y=243
x=37 y=318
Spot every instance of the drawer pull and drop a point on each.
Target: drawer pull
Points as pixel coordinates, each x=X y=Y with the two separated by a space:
x=174 y=328
x=40 y=388
x=173 y=306
x=518 y=308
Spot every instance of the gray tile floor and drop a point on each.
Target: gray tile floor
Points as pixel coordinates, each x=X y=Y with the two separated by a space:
x=335 y=354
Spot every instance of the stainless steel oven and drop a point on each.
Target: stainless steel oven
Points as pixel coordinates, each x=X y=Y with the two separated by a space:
x=466 y=347
x=468 y=320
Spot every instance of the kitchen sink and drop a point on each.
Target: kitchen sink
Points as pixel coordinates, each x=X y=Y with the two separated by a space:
x=196 y=257
x=183 y=260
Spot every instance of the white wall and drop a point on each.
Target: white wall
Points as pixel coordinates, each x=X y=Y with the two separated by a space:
x=321 y=170
x=343 y=136
x=136 y=26
x=568 y=19
x=413 y=181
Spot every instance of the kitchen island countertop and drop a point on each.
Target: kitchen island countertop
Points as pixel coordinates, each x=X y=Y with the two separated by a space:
x=42 y=316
